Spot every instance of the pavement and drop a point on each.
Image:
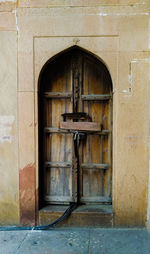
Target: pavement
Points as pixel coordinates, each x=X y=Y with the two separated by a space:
x=76 y=241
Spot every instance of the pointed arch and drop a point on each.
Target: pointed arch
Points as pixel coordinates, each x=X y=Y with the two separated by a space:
x=75 y=81
x=65 y=52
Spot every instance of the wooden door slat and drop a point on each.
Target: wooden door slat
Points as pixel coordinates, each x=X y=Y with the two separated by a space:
x=58 y=164
x=96 y=199
x=87 y=126
x=95 y=165
x=61 y=131
x=56 y=95
x=55 y=130
x=58 y=198
x=95 y=97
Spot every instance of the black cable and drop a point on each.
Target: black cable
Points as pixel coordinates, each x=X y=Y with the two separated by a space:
x=65 y=215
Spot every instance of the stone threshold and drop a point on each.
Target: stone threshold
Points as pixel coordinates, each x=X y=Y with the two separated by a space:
x=94 y=215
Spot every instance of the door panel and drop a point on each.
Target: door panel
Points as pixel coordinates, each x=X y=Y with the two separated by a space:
x=92 y=183
x=76 y=170
x=96 y=80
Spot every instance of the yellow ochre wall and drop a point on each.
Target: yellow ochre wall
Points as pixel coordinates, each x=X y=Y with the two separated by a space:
x=31 y=32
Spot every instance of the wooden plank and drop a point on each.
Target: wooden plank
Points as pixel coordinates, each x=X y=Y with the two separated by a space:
x=58 y=164
x=49 y=198
x=61 y=131
x=94 y=166
x=95 y=97
x=95 y=109
x=108 y=174
x=55 y=130
x=77 y=116
x=56 y=95
x=96 y=199
x=85 y=126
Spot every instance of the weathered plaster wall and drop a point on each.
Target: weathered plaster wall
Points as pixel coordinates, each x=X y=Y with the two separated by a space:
x=132 y=148
x=7 y=5
x=9 y=191
x=117 y=31
x=9 y=202
x=119 y=35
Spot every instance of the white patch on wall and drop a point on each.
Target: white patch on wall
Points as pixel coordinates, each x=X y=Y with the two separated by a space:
x=16 y=16
x=103 y=14
x=3 y=1
x=6 y=123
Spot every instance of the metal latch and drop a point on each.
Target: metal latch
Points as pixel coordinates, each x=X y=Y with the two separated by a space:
x=77 y=136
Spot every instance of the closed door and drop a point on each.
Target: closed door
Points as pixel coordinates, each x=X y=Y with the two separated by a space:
x=75 y=157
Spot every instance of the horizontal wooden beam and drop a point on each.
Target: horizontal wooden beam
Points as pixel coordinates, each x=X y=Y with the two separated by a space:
x=69 y=165
x=53 y=199
x=94 y=166
x=58 y=164
x=56 y=130
x=96 y=199
x=63 y=131
x=84 y=126
x=55 y=95
x=95 y=97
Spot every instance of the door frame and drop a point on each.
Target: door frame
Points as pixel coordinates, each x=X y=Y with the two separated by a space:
x=39 y=103
x=28 y=155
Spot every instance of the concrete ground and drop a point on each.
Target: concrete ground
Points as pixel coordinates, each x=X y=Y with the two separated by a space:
x=76 y=241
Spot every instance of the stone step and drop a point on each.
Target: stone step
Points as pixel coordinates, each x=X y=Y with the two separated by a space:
x=84 y=216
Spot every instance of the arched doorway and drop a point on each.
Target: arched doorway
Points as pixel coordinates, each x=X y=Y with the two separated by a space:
x=75 y=129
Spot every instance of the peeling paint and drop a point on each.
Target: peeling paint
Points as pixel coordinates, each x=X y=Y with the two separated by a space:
x=123 y=14
x=6 y=123
x=124 y=91
x=27 y=194
x=146 y=60
x=130 y=79
x=103 y=14
x=16 y=17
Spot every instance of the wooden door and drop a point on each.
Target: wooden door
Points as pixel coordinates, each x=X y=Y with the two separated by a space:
x=70 y=171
